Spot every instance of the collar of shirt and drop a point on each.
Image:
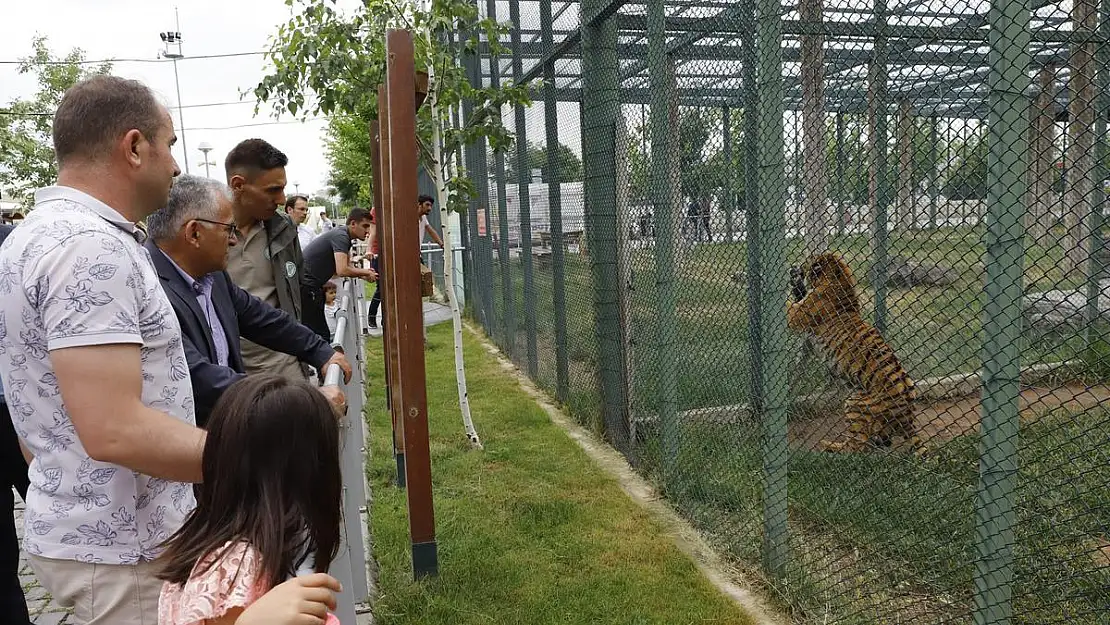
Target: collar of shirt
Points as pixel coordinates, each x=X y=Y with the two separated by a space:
x=200 y=287
x=111 y=215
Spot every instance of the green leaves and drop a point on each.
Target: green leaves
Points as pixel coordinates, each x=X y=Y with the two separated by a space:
x=324 y=62
x=26 y=144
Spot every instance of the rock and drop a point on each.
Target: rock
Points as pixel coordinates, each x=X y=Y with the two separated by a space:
x=1050 y=309
x=906 y=273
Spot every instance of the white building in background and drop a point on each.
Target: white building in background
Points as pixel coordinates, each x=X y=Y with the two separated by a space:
x=572 y=203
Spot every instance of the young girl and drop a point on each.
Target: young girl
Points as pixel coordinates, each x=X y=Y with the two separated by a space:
x=269 y=507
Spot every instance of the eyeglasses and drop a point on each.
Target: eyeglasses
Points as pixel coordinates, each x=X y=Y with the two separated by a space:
x=232 y=231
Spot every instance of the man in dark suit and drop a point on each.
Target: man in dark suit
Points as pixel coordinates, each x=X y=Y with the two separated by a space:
x=188 y=244
x=13 y=606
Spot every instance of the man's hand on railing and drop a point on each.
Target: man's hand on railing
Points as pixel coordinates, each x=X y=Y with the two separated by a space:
x=339 y=359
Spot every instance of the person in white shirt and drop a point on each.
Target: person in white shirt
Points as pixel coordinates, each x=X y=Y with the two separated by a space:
x=296 y=206
x=114 y=448
x=331 y=306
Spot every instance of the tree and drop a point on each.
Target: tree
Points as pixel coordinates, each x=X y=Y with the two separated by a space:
x=324 y=61
x=26 y=147
x=347 y=141
x=568 y=167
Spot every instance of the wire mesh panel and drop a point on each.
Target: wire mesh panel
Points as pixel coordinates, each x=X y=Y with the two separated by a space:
x=832 y=274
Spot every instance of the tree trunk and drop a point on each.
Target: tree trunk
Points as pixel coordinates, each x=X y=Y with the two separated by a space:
x=1081 y=121
x=907 y=217
x=1042 y=129
x=814 y=171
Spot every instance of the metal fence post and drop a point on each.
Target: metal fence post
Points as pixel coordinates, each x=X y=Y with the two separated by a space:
x=600 y=115
x=524 y=203
x=933 y=173
x=504 y=261
x=554 y=195
x=772 y=234
x=662 y=194
x=730 y=172
x=838 y=148
x=1002 y=311
x=879 y=190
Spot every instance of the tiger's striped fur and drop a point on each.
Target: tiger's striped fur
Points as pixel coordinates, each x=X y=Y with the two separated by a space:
x=881 y=406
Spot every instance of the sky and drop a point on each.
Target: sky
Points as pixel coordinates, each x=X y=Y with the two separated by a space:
x=129 y=29
x=215 y=111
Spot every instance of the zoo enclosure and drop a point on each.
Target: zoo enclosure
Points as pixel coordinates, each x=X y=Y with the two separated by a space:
x=954 y=155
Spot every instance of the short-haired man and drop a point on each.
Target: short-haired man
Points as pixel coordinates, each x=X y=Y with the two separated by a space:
x=329 y=256
x=189 y=242
x=94 y=370
x=267 y=261
x=296 y=207
x=424 y=205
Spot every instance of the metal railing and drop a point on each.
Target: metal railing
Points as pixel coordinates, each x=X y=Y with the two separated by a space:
x=352 y=565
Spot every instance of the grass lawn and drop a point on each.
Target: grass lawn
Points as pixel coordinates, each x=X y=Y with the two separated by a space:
x=529 y=529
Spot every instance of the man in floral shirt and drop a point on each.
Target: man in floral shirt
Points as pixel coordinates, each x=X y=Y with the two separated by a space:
x=92 y=363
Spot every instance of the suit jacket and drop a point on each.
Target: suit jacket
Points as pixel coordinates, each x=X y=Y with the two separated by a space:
x=240 y=314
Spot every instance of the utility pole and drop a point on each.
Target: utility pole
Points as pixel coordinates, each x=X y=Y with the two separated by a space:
x=173 y=38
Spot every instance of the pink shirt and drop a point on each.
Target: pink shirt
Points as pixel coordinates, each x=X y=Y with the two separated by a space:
x=232 y=583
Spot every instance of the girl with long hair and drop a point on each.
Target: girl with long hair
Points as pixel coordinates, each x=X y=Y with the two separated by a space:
x=269 y=507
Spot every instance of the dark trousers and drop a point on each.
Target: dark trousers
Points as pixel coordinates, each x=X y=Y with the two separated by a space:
x=376 y=301
x=312 y=311
x=13 y=606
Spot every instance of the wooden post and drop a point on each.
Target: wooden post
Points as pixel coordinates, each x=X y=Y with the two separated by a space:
x=382 y=196
x=405 y=306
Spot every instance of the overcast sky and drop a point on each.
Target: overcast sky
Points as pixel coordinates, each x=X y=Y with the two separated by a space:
x=214 y=110
x=107 y=29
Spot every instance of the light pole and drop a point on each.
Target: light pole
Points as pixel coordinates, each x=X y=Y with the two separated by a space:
x=297 y=188
x=173 y=38
x=206 y=147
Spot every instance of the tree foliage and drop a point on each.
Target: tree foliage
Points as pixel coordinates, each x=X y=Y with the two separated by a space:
x=326 y=61
x=26 y=146
x=568 y=167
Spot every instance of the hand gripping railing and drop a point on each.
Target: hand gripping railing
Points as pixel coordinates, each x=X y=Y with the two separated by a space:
x=351 y=564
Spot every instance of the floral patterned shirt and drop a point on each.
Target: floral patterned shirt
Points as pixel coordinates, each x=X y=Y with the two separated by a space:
x=74 y=274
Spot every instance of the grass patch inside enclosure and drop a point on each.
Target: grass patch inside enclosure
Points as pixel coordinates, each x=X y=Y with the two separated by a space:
x=881 y=538
x=529 y=529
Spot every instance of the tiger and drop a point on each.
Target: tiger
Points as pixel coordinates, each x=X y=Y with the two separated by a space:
x=881 y=405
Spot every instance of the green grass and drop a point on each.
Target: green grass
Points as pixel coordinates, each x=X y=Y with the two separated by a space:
x=870 y=532
x=529 y=529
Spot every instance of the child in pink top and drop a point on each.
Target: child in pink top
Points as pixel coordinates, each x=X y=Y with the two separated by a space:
x=269 y=507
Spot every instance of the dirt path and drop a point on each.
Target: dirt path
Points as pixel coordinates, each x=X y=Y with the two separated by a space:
x=945 y=420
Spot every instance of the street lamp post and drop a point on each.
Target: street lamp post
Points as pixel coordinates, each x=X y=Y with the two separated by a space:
x=206 y=147
x=173 y=38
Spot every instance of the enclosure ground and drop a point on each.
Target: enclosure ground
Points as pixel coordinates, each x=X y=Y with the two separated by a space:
x=944 y=420
x=529 y=529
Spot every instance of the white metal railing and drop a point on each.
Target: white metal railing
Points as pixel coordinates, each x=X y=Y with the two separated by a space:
x=352 y=564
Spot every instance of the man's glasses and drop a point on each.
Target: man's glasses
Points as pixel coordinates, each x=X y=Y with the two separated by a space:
x=231 y=229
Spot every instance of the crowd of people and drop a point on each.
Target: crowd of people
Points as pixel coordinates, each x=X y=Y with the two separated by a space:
x=163 y=343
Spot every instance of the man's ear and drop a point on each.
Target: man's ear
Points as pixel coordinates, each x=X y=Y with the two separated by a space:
x=236 y=182
x=132 y=143
x=192 y=232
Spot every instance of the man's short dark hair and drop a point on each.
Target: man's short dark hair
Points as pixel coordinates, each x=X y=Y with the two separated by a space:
x=425 y=198
x=101 y=109
x=357 y=215
x=254 y=156
x=291 y=201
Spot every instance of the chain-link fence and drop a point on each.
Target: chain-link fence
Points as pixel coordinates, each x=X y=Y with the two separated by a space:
x=632 y=254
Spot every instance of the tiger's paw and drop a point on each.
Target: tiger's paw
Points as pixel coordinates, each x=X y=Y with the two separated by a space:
x=835 y=446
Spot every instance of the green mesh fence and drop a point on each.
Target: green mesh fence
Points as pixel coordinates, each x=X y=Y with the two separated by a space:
x=633 y=253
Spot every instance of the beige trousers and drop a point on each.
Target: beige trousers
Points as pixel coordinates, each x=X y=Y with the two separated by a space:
x=102 y=594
